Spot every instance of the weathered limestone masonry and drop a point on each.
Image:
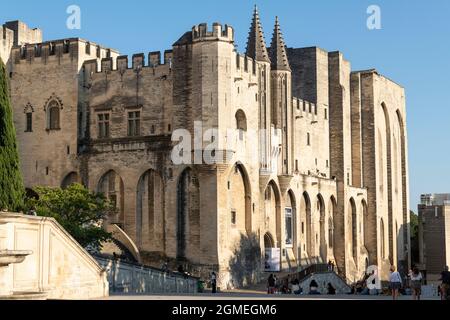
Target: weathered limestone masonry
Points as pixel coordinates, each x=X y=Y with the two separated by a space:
x=318 y=167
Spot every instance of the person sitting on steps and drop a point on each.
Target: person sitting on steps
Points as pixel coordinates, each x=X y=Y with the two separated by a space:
x=313 y=287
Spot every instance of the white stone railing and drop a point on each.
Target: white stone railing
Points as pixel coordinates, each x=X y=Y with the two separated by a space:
x=58 y=265
x=127 y=278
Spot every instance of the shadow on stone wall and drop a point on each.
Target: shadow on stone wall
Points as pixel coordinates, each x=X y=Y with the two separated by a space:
x=245 y=266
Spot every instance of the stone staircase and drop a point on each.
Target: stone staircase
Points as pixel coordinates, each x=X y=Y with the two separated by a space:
x=323 y=279
x=318 y=272
x=55 y=267
x=323 y=276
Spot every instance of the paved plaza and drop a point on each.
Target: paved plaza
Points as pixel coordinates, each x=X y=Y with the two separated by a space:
x=253 y=295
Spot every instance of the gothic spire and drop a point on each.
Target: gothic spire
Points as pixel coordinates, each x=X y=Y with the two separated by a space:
x=277 y=50
x=256 y=45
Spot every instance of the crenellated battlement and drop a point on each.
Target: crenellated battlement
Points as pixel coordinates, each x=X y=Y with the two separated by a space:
x=138 y=62
x=246 y=64
x=6 y=34
x=307 y=110
x=46 y=49
x=71 y=47
x=201 y=33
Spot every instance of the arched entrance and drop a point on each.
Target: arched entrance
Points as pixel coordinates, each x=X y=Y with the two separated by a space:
x=272 y=255
x=268 y=241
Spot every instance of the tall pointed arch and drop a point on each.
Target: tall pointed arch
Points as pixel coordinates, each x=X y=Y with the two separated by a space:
x=112 y=186
x=305 y=208
x=240 y=198
x=272 y=210
x=149 y=211
x=321 y=243
x=388 y=149
x=290 y=218
x=188 y=213
x=404 y=169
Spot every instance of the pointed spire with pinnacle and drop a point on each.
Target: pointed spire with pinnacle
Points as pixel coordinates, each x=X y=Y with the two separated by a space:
x=256 y=45
x=277 y=51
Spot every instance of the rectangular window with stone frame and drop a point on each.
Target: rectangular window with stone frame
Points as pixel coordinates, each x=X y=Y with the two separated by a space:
x=134 y=123
x=233 y=217
x=103 y=125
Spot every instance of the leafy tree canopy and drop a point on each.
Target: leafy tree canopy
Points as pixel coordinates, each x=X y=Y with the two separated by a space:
x=78 y=210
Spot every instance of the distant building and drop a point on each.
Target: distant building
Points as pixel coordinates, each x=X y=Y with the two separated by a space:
x=434 y=234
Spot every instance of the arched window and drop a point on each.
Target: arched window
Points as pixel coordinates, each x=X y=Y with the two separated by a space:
x=53 y=115
x=28 y=117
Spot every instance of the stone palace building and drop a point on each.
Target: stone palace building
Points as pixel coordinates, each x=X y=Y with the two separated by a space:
x=318 y=169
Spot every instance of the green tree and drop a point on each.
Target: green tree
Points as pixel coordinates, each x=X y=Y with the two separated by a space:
x=414 y=225
x=78 y=210
x=11 y=184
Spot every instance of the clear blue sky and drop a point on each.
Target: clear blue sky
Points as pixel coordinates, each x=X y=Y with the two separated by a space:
x=413 y=48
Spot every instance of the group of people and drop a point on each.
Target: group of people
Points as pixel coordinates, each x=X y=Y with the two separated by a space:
x=416 y=282
x=331 y=266
x=275 y=286
x=396 y=285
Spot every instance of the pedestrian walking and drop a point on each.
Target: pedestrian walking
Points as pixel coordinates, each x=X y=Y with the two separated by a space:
x=416 y=283
x=214 y=282
x=445 y=286
x=277 y=284
x=395 y=282
x=271 y=284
